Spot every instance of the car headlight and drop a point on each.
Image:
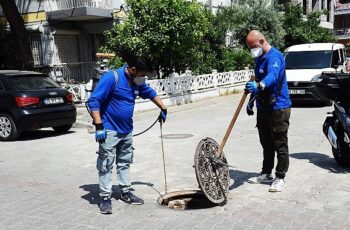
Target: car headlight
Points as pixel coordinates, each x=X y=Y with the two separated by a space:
x=316 y=78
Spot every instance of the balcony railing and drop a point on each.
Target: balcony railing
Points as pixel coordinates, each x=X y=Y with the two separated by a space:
x=342 y=31
x=342 y=9
x=53 y=5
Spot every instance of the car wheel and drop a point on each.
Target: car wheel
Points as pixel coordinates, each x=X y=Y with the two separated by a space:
x=62 y=128
x=8 y=128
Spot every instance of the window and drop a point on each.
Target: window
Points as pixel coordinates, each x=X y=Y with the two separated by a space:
x=66 y=49
x=35 y=44
x=34 y=82
x=308 y=59
x=336 y=58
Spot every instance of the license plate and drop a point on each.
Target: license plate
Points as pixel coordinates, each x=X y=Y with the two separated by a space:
x=296 y=91
x=53 y=101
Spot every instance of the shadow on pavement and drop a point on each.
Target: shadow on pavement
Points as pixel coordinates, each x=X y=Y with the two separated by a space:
x=93 y=191
x=93 y=194
x=40 y=134
x=321 y=160
x=240 y=177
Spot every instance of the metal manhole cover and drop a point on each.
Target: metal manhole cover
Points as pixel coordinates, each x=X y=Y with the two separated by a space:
x=177 y=136
x=212 y=178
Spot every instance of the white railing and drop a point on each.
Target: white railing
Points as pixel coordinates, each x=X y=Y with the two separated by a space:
x=53 y=5
x=182 y=84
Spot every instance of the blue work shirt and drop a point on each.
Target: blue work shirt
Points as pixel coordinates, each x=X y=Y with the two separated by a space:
x=116 y=102
x=269 y=70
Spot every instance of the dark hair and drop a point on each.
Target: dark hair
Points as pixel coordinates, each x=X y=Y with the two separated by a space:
x=140 y=63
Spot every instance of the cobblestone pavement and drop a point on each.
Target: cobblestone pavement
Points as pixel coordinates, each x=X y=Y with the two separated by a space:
x=49 y=181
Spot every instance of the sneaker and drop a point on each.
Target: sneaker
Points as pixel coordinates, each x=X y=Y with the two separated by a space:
x=260 y=179
x=277 y=185
x=130 y=198
x=106 y=205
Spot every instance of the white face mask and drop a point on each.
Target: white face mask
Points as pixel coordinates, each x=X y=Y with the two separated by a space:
x=139 y=80
x=256 y=52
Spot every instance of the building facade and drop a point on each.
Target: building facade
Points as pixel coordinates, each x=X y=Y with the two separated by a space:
x=309 y=6
x=66 y=34
x=342 y=22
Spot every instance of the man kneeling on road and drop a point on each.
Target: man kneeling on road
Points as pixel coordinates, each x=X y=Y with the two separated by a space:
x=273 y=104
x=112 y=107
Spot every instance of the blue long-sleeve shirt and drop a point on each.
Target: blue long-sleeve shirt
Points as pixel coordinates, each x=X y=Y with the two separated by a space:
x=116 y=101
x=269 y=70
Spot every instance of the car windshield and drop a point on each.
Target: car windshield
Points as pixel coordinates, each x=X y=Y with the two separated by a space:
x=34 y=82
x=308 y=59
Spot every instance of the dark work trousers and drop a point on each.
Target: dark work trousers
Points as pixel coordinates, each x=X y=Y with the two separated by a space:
x=273 y=133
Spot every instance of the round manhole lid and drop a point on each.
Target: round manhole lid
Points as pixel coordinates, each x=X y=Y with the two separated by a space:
x=212 y=178
x=177 y=136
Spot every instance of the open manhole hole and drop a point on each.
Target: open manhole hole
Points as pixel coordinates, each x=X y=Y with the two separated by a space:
x=185 y=200
x=177 y=136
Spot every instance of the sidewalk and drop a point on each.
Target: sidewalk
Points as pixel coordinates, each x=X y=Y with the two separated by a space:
x=50 y=182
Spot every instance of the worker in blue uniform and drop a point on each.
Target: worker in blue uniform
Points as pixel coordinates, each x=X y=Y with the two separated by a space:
x=112 y=106
x=270 y=91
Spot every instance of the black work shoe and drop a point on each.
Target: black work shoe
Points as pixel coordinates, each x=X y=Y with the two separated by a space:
x=130 y=198
x=106 y=205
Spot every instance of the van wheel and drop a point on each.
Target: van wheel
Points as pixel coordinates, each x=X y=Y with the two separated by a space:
x=8 y=128
x=62 y=128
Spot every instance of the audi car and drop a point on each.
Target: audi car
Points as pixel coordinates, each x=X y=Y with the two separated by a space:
x=31 y=100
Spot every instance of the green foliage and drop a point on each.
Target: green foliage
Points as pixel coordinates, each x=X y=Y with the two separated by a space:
x=258 y=15
x=178 y=34
x=300 y=31
x=169 y=32
x=116 y=62
x=235 y=59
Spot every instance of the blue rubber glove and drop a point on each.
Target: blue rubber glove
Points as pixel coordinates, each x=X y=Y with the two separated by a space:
x=100 y=133
x=162 y=115
x=251 y=86
x=250 y=107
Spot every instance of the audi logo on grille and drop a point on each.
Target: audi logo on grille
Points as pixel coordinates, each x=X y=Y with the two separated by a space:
x=53 y=93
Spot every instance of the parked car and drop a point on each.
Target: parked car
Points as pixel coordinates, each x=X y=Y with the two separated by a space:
x=29 y=101
x=306 y=62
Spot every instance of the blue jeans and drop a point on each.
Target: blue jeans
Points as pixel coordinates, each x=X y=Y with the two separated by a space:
x=117 y=148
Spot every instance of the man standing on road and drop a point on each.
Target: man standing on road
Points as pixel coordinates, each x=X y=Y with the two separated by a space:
x=270 y=90
x=112 y=107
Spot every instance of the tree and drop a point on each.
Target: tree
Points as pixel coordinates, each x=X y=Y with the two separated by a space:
x=24 y=56
x=299 y=31
x=254 y=14
x=170 y=33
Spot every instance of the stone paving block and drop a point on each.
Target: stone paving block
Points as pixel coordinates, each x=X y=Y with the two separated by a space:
x=56 y=187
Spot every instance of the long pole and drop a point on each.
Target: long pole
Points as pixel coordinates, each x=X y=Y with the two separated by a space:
x=233 y=121
x=161 y=137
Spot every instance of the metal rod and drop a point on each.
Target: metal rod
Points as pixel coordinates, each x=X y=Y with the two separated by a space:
x=161 y=137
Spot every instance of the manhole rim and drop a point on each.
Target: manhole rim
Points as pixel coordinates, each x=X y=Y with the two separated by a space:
x=188 y=192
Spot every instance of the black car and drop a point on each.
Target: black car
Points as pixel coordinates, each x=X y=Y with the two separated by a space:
x=31 y=100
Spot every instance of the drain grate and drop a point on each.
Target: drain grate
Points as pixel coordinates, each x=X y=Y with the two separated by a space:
x=177 y=136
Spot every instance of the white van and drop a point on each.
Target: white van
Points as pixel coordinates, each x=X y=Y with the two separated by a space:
x=306 y=61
